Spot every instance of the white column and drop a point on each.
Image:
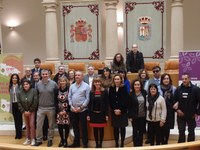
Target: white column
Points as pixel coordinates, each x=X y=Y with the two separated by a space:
x=176 y=28
x=111 y=29
x=51 y=30
x=1 y=47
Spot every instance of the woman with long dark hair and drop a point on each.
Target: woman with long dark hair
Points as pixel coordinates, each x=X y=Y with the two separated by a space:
x=143 y=76
x=14 y=89
x=167 y=90
x=106 y=78
x=156 y=114
x=118 y=63
x=98 y=110
x=137 y=113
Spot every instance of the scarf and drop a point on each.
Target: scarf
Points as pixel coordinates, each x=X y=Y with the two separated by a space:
x=151 y=101
x=167 y=92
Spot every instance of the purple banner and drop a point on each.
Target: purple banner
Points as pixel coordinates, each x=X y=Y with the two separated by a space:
x=189 y=62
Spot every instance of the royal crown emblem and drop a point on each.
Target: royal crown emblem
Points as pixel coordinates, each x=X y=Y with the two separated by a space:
x=80 y=31
x=144 y=28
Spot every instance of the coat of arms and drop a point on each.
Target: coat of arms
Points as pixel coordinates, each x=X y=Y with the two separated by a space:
x=144 y=28
x=81 y=32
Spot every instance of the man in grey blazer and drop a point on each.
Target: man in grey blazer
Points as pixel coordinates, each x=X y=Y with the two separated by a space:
x=88 y=78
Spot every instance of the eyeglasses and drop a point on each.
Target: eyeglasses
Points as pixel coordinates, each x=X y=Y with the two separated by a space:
x=156 y=71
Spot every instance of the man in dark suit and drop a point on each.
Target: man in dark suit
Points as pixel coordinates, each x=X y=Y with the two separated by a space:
x=37 y=63
x=27 y=75
x=134 y=60
x=88 y=78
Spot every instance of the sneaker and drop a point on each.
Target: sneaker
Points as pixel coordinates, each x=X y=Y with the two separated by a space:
x=27 y=142
x=33 y=142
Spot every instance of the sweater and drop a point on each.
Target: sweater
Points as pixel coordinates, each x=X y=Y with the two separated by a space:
x=27 y=100
x=159 y=111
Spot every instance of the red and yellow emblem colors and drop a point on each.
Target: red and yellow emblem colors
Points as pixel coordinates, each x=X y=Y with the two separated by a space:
x=81 y=32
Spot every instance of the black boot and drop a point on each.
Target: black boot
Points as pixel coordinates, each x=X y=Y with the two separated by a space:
x=65 y=144
x=60 y=144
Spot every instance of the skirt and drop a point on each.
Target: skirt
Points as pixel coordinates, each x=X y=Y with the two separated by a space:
x=97 y=119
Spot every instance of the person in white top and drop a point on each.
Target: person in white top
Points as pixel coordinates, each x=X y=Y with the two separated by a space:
x=156 y=114
x=14 y=89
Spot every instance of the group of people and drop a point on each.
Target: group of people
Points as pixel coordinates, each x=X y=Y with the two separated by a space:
x=74 y=99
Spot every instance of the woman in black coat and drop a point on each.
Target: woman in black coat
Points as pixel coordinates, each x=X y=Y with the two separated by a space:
x=167 y=91
x=119 y=102
x=137 y=113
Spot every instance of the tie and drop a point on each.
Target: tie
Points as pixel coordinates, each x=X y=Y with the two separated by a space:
x=158 y=82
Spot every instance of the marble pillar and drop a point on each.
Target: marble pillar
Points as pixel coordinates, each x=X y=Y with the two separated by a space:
x=111 y=29
x=51 y=30
x=176 y=28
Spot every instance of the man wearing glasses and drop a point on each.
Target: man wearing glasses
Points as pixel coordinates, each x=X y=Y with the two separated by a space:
x=134 y=60
x=155 y=79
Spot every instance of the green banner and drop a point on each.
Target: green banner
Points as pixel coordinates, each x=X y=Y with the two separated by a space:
x=9 y=64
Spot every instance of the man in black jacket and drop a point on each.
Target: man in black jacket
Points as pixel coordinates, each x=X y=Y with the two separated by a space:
x=186 y=99
x=134 y=60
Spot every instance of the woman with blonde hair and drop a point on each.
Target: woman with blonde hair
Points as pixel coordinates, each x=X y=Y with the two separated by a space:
x=119 y=103
x=62 y=111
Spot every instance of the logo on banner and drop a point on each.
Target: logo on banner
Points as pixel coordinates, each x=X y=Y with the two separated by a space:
x=144 y=28
x=81 y=31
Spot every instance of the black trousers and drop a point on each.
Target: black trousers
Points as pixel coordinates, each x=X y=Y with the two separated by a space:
x=122 y=132
x=139 y=125
x=191 y=123
x=154 y=132
x=17 y=115
x=165 y=132
x=80 y=119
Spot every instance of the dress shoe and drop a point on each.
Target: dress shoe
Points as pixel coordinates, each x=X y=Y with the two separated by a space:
x=116 y=145
x=38 y=143
x=85 y=146
x=44 y=138
x=49 y=143
x=60 y=144
x=74 y=145
x=65 y=144
x=147 y=141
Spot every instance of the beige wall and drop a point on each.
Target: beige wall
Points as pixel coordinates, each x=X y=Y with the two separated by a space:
x=29 y=36
x=191 y=24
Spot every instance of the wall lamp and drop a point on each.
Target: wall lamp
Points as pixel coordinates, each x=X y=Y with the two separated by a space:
x=11 y=28
x=120 y=24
